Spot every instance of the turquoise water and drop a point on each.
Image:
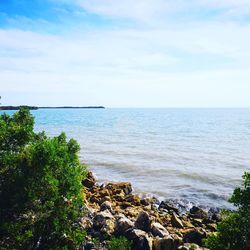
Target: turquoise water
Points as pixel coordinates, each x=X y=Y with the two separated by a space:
x=196 y=155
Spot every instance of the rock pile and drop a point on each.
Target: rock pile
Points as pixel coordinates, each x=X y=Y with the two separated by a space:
x=113 y=210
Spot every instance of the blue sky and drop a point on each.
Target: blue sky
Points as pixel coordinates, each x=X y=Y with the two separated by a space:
x=133 y=53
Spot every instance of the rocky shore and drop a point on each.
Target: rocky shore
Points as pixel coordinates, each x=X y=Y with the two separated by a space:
x=113 y=210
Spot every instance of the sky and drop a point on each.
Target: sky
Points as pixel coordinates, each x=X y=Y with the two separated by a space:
x=127 y=53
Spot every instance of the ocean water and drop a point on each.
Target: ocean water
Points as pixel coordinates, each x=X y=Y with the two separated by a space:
x=192 y=155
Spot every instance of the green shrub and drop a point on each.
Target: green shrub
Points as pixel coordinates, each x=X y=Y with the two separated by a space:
x=234 y=231
x=119 y=243
x=40 y=187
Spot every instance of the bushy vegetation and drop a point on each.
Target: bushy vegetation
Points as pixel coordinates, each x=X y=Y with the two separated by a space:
x=234 y=231
x=120 y=243
x=40 y=187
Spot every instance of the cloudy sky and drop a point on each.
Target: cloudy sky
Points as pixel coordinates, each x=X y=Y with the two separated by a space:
x=127 y=53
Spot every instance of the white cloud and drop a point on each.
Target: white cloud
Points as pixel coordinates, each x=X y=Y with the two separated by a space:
x=123 y=9
x=130 y=67
x=161 y=63
x=149 y=10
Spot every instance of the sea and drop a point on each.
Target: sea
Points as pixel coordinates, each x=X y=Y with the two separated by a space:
x=195 y=156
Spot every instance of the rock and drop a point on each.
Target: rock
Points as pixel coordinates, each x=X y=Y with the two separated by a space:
x=176 y=222
x=147 y=208
x=90 y=180
x=170 y=206
x=108 y=228
x=88 y=245
x=104 y=193
x=183 y=248
x=199 y=213
x=106 y=205
x=177 y=241
x=143 y=221
x=104 y=222
x=188 y=246
x=207 y=221
x=187 y=224
x=132 y=212
x=88 y=209
x=105 y=198
x=125 y=205
x=101 y=217
x=146 y=201
x=216 y=217
x=123 y=225
x=198 y=222
x=212 y=227
x=155 y=201
x=166 y=243
x=215 y=214
x=116 y=188
x=86 y=223
x=94 y=199
x=133 y=199
x=140 y=239
x=158 y=230
x=119 y=197
x=194 y=237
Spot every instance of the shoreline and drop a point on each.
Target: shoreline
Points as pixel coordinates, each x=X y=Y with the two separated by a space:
x=60 y=107
x=183 y=203
x=114 y=209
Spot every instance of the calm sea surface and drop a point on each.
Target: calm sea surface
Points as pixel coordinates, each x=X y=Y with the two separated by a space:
x=196 y=155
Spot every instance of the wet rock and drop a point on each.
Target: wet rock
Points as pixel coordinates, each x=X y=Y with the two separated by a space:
x=140 y=239
x=176 y=222
x=194 y=237
x=158 y=230
x=115 y=211
x=155 y=201
x=116 y=188
x=198 y=212
x=90 y=180
x=170 y=206
x=146 y=201
x=143 y=221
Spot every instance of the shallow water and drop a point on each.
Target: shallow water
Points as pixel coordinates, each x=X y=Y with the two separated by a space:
x=198 y=155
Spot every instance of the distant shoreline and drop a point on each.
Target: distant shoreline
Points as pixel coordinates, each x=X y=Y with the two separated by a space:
x=62 y=107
